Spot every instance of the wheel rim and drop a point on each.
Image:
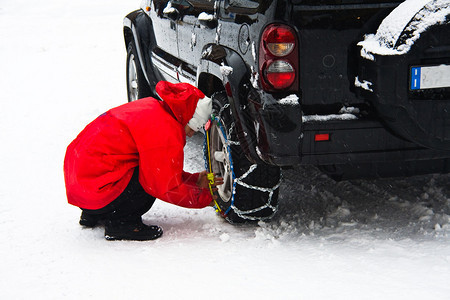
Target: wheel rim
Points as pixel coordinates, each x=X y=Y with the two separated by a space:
x=221 y=162
x=132 y=79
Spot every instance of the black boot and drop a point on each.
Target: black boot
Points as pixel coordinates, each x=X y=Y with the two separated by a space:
x=90 y=220
x=131 y=230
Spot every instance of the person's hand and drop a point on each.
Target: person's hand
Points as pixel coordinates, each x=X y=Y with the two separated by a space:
x=203 y=182
x=218 y=180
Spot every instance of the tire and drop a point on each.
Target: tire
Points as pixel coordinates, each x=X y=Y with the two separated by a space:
x=250 y=191
x=137 y=86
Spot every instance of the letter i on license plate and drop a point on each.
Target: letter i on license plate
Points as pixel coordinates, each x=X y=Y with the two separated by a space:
x=430 y=77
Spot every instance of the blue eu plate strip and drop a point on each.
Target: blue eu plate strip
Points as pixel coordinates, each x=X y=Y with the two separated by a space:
x=415 y=78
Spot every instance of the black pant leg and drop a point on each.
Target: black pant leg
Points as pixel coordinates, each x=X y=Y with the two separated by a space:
x=131 y=204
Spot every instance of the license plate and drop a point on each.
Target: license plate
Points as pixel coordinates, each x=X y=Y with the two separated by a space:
x=430 y=77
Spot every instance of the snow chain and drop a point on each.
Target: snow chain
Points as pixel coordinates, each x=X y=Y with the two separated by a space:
x=244 y=214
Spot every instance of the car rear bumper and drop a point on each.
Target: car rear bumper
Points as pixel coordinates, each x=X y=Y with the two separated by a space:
x=359 y=141
x=284 y=137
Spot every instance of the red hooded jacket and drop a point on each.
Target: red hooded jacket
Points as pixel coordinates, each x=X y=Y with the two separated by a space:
x=148 y=134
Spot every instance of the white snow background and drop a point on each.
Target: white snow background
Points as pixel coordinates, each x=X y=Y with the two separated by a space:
x=62 y=64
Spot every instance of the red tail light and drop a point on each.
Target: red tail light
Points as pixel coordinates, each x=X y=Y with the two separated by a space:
x=280 y=74
x=278 y=58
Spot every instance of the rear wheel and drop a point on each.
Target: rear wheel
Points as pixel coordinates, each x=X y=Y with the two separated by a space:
x=250 y=191
x=137 y=86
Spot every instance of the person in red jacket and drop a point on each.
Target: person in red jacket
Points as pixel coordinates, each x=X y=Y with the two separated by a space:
x=132 y=154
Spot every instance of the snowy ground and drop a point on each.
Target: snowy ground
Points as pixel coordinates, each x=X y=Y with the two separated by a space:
x=62 y=63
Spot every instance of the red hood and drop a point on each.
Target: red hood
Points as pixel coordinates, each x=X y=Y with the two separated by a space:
x=182 y=99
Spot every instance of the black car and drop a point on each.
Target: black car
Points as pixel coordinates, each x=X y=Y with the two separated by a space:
x=358 y=88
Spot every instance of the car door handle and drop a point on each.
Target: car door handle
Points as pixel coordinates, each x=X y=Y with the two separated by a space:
x=208 y=20
x=171 y=12
x=211 y=24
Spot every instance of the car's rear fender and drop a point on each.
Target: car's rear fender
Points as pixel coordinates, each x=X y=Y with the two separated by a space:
x=138 y=28
x=262 y=139
x=222 y=68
